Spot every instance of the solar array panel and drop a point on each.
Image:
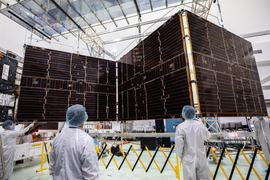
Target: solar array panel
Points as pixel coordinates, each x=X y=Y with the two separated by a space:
x=54 y=80
x=153 y=78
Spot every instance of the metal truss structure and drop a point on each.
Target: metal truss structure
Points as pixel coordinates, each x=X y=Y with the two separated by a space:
x=94 y=43
x=51 y=18
x=201 y=7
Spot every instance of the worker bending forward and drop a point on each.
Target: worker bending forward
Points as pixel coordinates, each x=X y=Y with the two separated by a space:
x=189 y=142
x=73 y=155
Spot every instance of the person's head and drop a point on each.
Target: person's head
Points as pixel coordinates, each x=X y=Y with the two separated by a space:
x=260 y=117
x=76 y=116
x=8 y=125
x=188 y=113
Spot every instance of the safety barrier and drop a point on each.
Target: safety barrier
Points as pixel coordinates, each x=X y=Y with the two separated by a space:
x=176 y=168
x=44 y=156
x=234 y=162
x=146 y=168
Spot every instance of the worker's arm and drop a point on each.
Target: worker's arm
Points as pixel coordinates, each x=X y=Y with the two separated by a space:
x=90 y=167
x=206 y=133
x=18 y=133
x=256 y=133
x=179 y=142
x=52 y=160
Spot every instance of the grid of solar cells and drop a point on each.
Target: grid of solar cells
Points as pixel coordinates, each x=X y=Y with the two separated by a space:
x=54 y=80
x=227 y=76
x=152 y=77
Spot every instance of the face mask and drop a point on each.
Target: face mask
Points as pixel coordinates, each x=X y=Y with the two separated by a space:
x=11 y=127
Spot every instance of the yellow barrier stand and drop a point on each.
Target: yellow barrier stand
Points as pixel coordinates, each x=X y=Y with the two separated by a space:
x=138 y=157
x=249 y=164
x=263 y=158
x=100 y=156
x=152 y=158
x=113 y=158
x=166 y=158
x=235 y=165
x=43 y=158
x=220 y=164
x=126 y=158
x=177 y=170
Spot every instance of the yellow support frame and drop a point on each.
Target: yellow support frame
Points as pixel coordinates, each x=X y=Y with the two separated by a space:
x=195 y=77
x=187 y=62
x=186 y=58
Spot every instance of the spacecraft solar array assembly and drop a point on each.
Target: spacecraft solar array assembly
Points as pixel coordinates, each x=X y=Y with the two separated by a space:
x=153 y=78
x=53 y=80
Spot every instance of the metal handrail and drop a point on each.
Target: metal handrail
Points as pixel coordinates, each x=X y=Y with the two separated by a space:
x=2 y=158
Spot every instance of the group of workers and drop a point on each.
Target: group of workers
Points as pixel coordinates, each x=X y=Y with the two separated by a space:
x=73 y=155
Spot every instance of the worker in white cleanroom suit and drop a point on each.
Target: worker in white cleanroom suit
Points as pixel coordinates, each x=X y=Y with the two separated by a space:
x=262 y=132
x=73 y=154
x=189 y=145
x=8 y=143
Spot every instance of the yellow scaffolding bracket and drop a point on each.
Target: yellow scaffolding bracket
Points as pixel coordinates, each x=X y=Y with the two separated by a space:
x=249 y=164
x=43 y=158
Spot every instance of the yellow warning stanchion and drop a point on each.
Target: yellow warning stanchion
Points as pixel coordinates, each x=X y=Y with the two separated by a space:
x=177 y=169
x=43 y=158
x=263 y=158
x=249 y=164
x=100 y=156
x=220 y=164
